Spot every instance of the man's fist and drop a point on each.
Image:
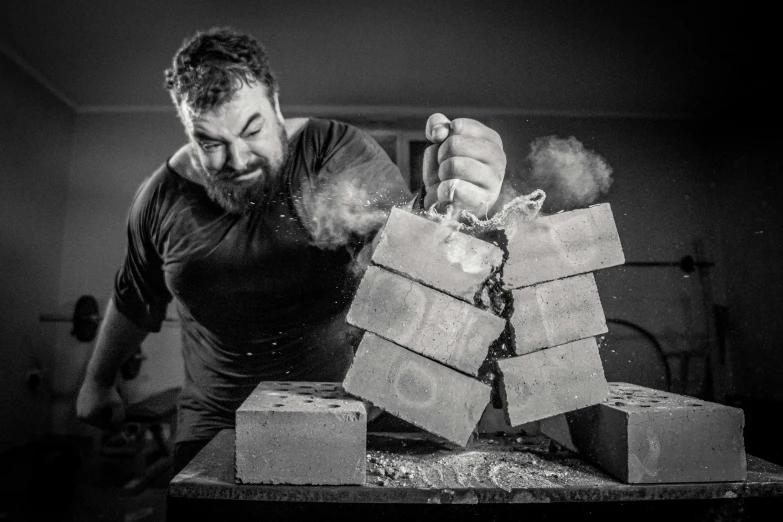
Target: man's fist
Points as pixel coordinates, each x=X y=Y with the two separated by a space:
x=99 y=406
x=464 y=167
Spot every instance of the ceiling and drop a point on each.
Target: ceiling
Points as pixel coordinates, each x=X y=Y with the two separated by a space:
x=597 y=57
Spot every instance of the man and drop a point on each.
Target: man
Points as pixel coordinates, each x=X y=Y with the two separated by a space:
x=255 y=227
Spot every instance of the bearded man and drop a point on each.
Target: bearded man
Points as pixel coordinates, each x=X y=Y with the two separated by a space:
x=233 y=228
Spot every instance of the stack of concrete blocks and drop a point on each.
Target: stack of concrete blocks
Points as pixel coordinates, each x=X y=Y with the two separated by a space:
x=427 y=334
x=300 y=433
x=557 y=312
x=646 y=436
x=425 y=339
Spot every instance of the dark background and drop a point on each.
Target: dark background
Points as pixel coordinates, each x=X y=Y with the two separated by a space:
x=681 y=99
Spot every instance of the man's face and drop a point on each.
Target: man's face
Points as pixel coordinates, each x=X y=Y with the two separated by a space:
x=240 y=147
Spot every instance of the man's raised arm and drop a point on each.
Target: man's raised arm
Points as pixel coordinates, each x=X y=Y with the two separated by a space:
x=464 y=167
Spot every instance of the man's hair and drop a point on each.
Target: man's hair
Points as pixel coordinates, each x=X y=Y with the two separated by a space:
x=213 y=65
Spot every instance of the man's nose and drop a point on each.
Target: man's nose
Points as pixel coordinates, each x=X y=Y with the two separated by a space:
x=238 y=156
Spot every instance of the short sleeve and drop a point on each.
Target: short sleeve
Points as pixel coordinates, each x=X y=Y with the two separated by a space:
x=356 y=156
x=353 y=188
x=140 y=291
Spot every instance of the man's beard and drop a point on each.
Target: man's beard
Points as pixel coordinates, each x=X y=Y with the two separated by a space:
x=237 y=197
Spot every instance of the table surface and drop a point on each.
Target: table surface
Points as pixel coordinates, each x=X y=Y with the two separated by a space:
x=416 y=468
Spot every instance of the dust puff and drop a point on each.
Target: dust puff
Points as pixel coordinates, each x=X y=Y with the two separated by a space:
x=572 y=176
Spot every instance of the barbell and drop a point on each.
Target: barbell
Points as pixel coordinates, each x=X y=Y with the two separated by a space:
x=86 y=318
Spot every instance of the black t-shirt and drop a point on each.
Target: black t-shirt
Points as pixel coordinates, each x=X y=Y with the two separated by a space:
x=263 y=295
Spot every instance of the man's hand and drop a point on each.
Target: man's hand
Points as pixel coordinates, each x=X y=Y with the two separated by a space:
x=99 y=405
x=464 y=167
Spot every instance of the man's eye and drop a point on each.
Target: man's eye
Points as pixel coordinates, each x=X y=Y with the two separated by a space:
x=210 y=146
x=254 y=133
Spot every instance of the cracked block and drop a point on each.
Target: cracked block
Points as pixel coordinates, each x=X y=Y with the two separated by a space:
x=557 y=312
x=561 y=245
x=301 y=433
x=646 y=436
x=436 y=255
x=424 y=320
x=429 y=395
x=552 y=381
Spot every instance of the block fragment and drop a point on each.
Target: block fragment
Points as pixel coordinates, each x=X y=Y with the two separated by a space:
x=436 y=255
x=556 y=428
x=301 y=433
x=561 y=245
x=424 y=320
x=552 y=381
x=557 y=312
x=643 y=436
x=416 y=389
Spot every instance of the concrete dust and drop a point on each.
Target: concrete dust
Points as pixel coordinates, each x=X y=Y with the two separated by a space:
x=525 y=206
x=503 y=462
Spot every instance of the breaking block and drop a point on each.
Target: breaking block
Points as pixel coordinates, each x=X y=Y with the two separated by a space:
x=427 y=394
x=552 y=381
x=436 y=255
x=642 y=436
x=424 y=320
x=561 y=245
x=557 y=312
x=301 y=433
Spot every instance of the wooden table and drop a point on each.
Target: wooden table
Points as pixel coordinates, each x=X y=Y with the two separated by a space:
x=412 y=475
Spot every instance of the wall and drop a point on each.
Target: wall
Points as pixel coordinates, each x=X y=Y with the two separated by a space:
x=748 y=172
x=35 y=147
x=638 y=57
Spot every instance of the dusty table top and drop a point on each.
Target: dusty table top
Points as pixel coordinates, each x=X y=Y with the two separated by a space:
x=415 y=468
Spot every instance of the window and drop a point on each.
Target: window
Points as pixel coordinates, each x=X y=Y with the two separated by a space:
x=406 y=150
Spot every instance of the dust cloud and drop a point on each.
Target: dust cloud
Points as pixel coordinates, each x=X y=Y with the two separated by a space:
x=572 y=176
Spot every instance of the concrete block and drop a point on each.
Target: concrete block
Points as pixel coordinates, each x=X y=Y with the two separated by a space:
x=301 y=433
x=436 y=255
x=646 y=436
x=561 y=245
x=424 y=320
x=416 y=389
x=557 y=312
x=552 y=381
